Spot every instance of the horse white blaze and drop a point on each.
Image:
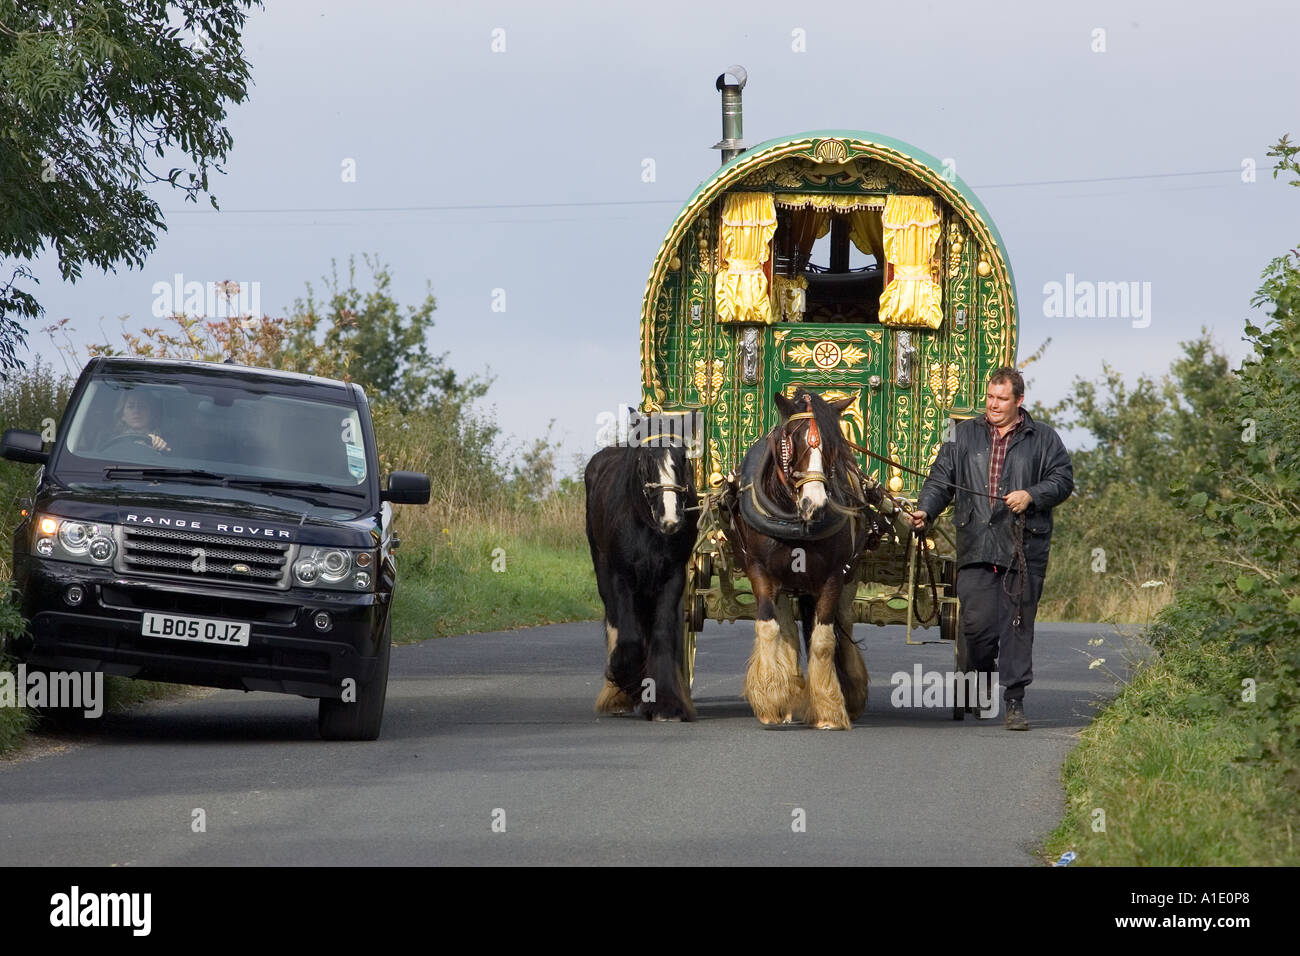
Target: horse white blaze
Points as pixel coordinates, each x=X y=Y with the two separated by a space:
x=668 y=476
x=814 y=492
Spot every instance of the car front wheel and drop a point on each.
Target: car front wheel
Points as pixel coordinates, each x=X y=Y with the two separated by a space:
x=359 y=719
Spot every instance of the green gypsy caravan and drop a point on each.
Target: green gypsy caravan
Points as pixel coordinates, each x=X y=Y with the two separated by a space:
x=736 y=309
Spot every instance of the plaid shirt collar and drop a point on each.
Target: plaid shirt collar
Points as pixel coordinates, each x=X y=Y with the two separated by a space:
x=1000 y=445
x=993 y=429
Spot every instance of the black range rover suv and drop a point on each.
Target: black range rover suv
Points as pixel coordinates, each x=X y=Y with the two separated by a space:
x=217 y=525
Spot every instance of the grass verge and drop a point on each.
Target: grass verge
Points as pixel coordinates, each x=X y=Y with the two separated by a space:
x=1175 y=771
x=488 y=577
x=15 y=722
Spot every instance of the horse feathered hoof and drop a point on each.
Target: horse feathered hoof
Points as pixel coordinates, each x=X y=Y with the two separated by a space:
x=836 y=724
x=613 y=702
x=773 y=685
x=671 y=714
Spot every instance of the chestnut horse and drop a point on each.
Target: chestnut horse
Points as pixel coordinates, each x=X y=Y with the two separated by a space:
x=803 y=518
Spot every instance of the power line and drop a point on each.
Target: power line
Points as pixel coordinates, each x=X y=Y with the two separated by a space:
x=467 y=207
x=1106 y=179
x=458 y=208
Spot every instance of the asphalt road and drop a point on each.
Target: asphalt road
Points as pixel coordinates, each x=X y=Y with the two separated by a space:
x=498 y=729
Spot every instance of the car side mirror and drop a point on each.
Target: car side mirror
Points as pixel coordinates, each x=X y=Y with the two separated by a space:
x=18 y=445
x=407 y=488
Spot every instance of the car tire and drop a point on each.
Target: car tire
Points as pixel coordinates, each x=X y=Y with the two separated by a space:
x=360 y=719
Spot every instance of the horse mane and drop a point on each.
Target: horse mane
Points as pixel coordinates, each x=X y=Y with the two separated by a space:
x=776 y=490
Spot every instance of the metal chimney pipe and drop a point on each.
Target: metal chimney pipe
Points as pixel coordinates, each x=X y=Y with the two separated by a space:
x=732 y=121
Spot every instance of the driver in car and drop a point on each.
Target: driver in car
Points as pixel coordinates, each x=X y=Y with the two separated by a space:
x=138 y=415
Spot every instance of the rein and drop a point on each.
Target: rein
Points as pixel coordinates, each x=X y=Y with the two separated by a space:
x=1017 y=537
x=911 y=471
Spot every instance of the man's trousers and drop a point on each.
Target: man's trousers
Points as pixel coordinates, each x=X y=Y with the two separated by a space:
x=988 y=611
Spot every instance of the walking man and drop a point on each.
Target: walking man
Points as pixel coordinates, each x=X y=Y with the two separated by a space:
x=1022 y=471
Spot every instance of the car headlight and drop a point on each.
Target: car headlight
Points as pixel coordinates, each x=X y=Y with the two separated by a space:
x=332 y=568
x=81 y=541
x=335 y=566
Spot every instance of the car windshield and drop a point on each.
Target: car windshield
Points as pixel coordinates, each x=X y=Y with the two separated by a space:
x=204 y=430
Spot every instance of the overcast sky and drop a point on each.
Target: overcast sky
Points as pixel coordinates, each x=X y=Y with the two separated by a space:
x=1016 y=94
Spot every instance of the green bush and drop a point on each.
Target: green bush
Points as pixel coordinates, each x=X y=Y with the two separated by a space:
x=33 y=400
x=1198 y=758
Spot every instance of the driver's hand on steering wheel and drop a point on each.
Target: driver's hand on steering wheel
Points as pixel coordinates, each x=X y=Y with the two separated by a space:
x=157 y=442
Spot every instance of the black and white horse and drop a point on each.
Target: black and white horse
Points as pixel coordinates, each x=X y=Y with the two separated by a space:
x=641 y=525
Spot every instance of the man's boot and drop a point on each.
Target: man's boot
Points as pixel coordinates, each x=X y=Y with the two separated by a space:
x=1016 y=715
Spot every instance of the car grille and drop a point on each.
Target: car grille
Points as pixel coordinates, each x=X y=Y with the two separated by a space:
x=225 y=558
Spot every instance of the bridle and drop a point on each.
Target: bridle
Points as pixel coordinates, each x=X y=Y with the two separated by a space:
x=648 y=487
x=785 y=449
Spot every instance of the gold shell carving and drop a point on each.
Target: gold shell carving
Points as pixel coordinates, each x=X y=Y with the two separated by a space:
x=832 y=151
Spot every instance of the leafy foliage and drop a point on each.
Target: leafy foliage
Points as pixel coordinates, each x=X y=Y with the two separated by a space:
x=424 y=415
x=27 y=401
x=1254 y=519
x=1121 y=548
x=92 y=92
x=389 y=352
x=1154 y=432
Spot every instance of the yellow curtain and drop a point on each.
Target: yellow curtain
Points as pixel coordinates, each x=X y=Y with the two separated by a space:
x=868 y=234
x=828 y=202
x=864 y=217
x=748 y=224
x=911 y=228
x=806 y=227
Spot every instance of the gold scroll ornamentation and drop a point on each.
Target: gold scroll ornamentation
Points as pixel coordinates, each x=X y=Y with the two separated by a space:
x=852 y=355
x=800 y=354
x=825 y=354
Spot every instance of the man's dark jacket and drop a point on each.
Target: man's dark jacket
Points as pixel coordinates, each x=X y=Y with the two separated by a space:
x=1036 y=462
